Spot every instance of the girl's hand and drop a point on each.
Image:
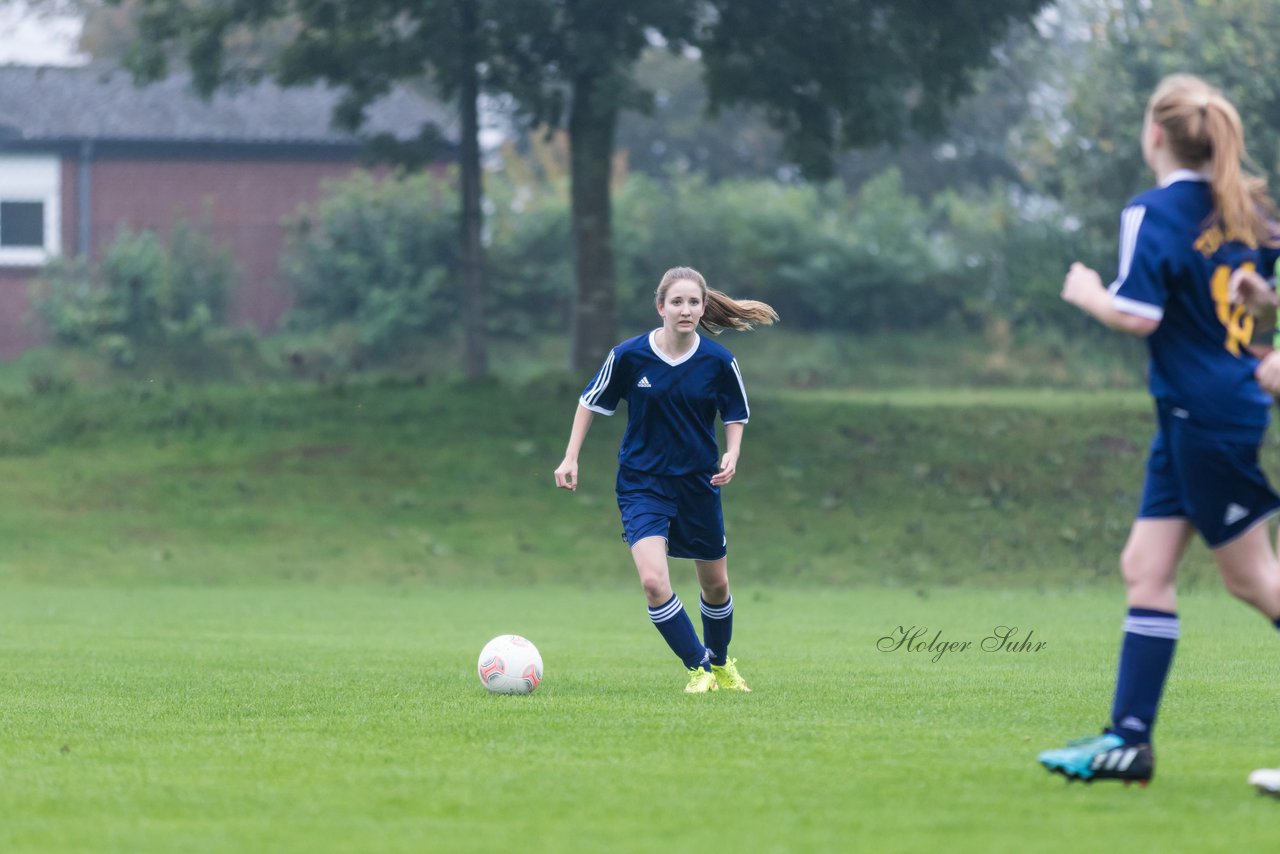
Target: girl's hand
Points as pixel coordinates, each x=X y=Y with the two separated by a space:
x=1081 y=285
x=567 y=475
x=1249 y=289
x=1268 y=372
x=728 y=468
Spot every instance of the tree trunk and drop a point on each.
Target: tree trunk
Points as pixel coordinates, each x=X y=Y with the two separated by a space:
x=475 y=353
x=593 y=123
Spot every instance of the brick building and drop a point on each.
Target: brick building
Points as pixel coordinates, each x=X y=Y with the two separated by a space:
x=84 y=152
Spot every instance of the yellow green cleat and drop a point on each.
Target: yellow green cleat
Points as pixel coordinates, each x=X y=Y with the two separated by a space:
x=701 y=681
x=728 y=677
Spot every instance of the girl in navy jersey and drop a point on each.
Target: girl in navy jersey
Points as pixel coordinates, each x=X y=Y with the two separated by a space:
x=669 y=469
x=1183 y=245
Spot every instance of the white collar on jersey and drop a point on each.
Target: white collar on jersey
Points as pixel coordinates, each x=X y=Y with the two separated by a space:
x=1183 y=175
x=657 y=351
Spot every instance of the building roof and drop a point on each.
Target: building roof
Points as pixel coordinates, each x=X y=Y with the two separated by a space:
x=60 y=104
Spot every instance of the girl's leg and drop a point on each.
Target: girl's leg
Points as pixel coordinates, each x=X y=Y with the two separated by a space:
x=1149 y=562
x=716 y=606
x=717 y=623
x=1250 y=571
x=1149 y=566
x=665 y=608
x=650 y=555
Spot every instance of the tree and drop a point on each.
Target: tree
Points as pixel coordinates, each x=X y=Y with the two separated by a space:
x=978 y=146
x=828 y=74
x=569 y=63
x=839 y=74
x=363 y=49
x=676 y=137
x=1109 y=55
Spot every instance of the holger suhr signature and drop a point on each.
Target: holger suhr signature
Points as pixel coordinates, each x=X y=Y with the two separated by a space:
x=919 y=639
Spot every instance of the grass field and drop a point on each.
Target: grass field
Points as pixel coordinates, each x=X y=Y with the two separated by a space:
x=240 y=620
x=350 y=719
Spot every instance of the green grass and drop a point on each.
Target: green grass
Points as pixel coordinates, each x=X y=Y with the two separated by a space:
x=1002 y=356
x=339 y=719
x=451 y=485
x=247 y=619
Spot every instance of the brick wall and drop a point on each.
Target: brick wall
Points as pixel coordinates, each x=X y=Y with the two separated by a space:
x=240 y=203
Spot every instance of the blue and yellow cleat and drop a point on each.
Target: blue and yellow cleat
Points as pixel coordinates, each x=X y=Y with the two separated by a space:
x=1102 y=757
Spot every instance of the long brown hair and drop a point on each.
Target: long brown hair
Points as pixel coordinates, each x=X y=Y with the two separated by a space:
x=1203 y=129
x=721 y=311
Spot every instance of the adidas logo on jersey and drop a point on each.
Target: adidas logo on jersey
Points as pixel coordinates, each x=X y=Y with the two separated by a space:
x=644 y=383
x=1234 y=514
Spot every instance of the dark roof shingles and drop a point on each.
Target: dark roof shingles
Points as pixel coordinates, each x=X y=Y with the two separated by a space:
x=89 y=103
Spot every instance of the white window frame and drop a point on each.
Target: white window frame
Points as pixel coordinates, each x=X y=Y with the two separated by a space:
x=33 y=178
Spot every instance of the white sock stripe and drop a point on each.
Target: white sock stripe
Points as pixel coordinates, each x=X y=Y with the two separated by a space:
x=1171 y=634
x=665 y=612
x=716 y=612
x=1152 y=627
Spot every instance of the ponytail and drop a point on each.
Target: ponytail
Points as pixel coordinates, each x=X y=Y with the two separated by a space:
x=723 y=312
x=1239 y=198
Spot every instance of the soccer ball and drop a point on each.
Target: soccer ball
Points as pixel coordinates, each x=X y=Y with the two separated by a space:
x=509 y=664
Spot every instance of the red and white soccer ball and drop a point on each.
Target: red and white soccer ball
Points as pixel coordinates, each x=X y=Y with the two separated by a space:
x=509 y=664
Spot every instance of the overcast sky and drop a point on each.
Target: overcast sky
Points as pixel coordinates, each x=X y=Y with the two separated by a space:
x=27 y=39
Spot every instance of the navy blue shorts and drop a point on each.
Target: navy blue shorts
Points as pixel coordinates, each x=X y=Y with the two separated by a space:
x=683 y=509
x=1208 y=476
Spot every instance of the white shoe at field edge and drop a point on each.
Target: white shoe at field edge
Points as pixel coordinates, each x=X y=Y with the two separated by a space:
x=1266 y=781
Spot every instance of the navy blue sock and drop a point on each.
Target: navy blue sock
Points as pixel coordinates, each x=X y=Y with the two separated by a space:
x=677 y=630
x=1149 y=640
x=717 y=628
x=1276 y=622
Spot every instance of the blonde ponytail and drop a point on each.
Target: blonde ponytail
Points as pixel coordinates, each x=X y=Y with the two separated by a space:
x=724 y=312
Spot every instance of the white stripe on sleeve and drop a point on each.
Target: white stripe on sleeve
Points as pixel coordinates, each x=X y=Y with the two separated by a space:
x=1133 y=306
x=1130 y=223
x=592 y=395
x=742 y=388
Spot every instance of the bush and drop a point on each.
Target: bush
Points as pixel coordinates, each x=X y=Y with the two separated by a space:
x=143 y=294
x=529 y=258
x=378 y=259
x=380 y=255
x=822 y=259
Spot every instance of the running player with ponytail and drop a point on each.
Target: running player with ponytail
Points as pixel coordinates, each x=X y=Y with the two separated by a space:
x=1183 y=245
x=669 y=469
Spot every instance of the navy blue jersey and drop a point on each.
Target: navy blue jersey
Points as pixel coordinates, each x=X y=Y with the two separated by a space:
x=671 y=404
x=1175 y=264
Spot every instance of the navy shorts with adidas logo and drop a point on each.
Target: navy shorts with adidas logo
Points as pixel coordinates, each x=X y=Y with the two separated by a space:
x=1207 y=475
x=684 y=509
